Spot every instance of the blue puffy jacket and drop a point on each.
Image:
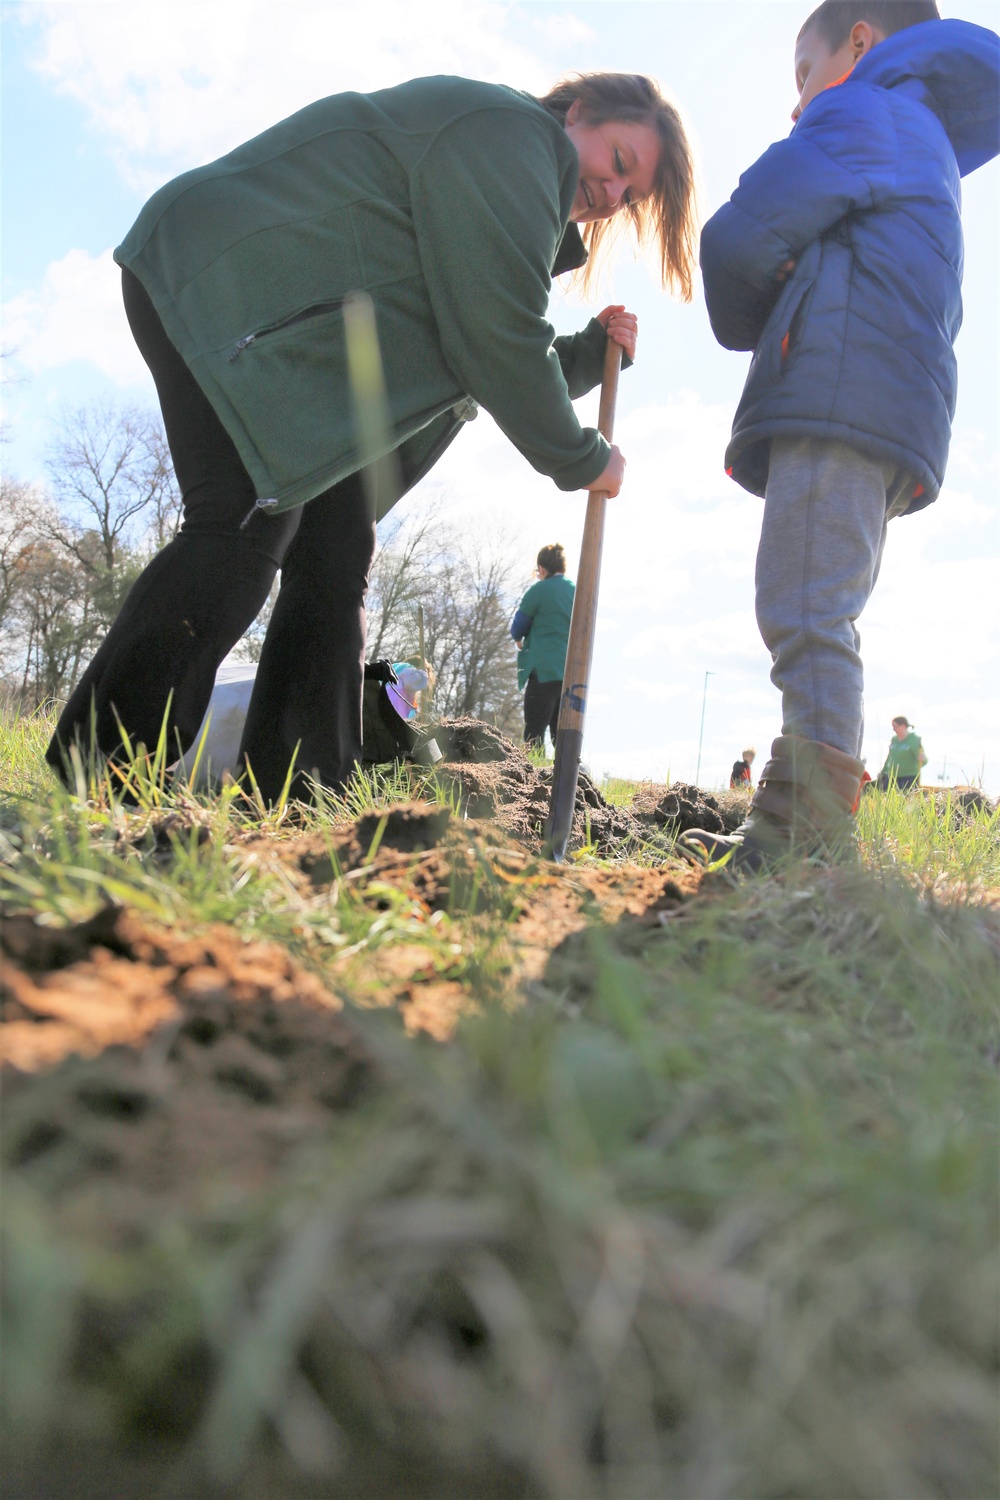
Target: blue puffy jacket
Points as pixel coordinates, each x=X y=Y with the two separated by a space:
x=865 y=196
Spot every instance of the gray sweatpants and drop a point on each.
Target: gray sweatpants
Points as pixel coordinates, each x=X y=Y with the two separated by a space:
x=825 y=516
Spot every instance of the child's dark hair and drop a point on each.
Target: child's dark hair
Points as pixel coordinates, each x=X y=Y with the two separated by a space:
x=834 y=18
x=552 y=558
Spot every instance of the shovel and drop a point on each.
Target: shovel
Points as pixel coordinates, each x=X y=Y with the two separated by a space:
x=580 y=649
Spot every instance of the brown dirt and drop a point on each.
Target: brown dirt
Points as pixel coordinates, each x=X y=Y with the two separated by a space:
x=683 y=807
x=162 y=1058
x=447 y=864
x=496 y=780
x=165 y=1058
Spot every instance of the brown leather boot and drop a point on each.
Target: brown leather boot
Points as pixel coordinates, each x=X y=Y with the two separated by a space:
x=803 y=805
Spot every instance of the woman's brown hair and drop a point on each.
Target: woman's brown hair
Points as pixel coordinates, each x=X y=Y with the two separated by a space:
x=552 y=558
x=668 y=217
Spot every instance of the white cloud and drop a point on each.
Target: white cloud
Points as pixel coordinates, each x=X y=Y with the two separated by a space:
x=936 y=618
x=75 y=314
x=974 y=453
x=173 y=85
x=731 y=638
x=654 y=692
x=562 y=28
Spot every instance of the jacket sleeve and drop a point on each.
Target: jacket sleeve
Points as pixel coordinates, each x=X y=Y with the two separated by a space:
x=581 y=356
x=520 y=625
x=524 y=615
x=840 y=159
x=485 y=198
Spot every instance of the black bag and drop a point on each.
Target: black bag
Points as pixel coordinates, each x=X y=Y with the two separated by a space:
x=387 y=735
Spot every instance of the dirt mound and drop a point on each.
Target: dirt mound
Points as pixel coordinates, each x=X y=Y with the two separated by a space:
x=179 y=1055
x=683 y=807
x=966 y=804
x=496 y=780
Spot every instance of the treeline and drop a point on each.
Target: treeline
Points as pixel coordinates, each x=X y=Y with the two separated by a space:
x=71 y=549
x=467 y=591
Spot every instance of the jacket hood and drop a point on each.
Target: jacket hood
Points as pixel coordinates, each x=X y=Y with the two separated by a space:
x=952 y=67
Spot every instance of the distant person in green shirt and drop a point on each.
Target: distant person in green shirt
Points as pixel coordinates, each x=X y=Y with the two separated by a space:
x=906 y=756
x=541 y=628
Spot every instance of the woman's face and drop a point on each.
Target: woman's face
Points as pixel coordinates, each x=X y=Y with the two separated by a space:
x=618 y=162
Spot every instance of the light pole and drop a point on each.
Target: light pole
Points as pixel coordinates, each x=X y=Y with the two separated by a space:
x=701 y=732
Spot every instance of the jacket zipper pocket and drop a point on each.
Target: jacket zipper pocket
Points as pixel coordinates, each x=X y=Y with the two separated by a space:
x=796 y=317
x=316 y=311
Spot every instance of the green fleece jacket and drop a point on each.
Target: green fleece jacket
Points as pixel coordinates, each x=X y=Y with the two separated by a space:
x=447 y=201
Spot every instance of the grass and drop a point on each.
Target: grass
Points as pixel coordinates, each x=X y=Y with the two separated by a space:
x=618 y=791
x=23 y=738
x=930 y=837
x=714 y=1215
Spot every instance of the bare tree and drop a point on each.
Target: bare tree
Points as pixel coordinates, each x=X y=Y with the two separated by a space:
x=165 y=511
x=467 y=590
x=43 y=599
x=67 y=561
x=410 y=550
x=466 y=627
x=111 y=476
x=21 y=524
x=251 y=643
x=50 y=625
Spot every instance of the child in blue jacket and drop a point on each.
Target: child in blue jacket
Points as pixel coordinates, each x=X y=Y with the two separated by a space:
x=838 y=261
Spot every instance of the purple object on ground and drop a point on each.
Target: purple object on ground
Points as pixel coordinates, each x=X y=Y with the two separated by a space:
x=399 y=703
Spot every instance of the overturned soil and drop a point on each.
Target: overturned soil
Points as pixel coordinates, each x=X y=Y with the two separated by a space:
x=495 y=780
x=161 y=1061
x=141 y=1052
x=155 y=1060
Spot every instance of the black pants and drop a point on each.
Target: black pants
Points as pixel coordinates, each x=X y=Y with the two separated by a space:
x=541 y=709
x=197 y=597
x=903 y=783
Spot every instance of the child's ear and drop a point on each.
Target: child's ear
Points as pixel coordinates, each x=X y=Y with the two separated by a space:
x=864 y=37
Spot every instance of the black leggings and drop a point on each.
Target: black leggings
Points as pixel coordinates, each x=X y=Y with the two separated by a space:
x=541 y=710
x=197 y=597
x=902 y=783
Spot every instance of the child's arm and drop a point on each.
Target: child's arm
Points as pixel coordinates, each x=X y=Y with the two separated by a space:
x=839 y=159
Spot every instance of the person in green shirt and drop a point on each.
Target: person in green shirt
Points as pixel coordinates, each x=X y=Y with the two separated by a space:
x=541 y=629
x=451 y=203
x=905 y=757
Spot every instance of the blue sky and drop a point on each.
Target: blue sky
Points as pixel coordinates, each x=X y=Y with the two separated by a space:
x=103 y=100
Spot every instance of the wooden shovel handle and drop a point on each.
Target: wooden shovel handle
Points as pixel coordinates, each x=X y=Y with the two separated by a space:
x=580 y=648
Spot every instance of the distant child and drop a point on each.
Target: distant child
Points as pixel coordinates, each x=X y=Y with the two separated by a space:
x=838 y=261
x=739 y=778
x=905 y=758
x=541 y=629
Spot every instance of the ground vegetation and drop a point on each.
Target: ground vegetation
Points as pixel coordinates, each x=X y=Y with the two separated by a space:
x=355 y=1149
